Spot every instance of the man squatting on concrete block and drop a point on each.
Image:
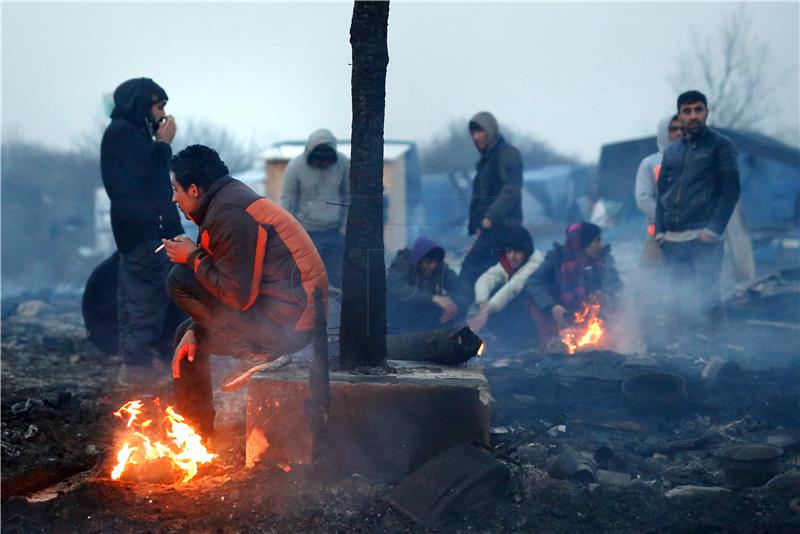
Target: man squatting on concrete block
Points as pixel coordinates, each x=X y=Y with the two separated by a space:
x=248 y=286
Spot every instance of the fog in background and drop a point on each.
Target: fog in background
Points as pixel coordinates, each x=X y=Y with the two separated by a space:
x=563 y=79
x=574 y=75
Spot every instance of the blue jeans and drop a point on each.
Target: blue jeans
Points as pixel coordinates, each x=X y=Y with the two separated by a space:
x=330 y=245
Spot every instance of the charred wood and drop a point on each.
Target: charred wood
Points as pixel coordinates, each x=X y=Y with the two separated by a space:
x=453 y=346
x=363 y=323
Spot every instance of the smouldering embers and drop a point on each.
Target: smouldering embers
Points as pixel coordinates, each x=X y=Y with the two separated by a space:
x=170 y=437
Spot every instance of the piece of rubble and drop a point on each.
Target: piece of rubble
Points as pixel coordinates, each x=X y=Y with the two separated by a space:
x=382 y=426
x=694 y=491
x=570 y=464
x=31 y=308
x=789 y=480
x=532 y=453
x=461 y=478
x=31 y=432
x=613 y=478
x=719 y=371
x=651 y=465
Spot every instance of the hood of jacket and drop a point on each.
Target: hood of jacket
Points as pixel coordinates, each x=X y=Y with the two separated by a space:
x=134 y=98
x=422 y=247
x=488 y=123
x=320 y=137
x=662 y=132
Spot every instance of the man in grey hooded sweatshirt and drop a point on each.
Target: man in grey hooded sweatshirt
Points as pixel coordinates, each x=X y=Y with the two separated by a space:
x=316 y=190
x=669 y=129
x=496 y=203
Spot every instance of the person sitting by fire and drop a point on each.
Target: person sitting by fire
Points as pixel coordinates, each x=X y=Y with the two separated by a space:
x=503 y=308
x=422 y=291
x=572 y=275
x=248 y=287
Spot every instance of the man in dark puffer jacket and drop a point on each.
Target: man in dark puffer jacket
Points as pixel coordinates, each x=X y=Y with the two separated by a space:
x=134 y=160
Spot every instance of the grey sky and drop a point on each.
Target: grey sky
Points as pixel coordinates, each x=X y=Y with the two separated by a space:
x=574 y=75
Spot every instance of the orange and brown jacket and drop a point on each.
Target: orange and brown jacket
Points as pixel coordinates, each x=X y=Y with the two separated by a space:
x=254 y=255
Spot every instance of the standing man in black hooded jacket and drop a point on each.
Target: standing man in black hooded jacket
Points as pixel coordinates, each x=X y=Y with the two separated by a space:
x=134 y=159
x=496 y=203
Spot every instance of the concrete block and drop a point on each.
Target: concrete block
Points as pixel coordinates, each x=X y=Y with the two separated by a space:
x=381 y=426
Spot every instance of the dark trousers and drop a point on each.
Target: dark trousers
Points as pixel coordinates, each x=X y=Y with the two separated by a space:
x=220 y=330
x=514 y=326
x=693 y=291
x=330 y=245
x=145 y=314
x=404 y=317
x=482 y=255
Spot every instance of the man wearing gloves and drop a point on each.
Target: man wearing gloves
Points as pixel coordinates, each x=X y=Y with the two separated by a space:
x=316 y=190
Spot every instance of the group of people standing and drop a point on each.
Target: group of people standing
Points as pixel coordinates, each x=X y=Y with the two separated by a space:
x=247 y=285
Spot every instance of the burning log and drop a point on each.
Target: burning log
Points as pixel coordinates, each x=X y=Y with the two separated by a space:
x=453 y=346
x=166 y=444
x=588 y=330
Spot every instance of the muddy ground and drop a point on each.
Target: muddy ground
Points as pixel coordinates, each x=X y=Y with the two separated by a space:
x=58 y=393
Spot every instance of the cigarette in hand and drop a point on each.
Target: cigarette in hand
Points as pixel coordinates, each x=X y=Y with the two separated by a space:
x=159 y=248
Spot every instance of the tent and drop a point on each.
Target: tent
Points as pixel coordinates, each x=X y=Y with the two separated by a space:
x=770 y=178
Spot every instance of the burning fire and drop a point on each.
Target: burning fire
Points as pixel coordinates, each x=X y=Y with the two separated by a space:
x=588 y=329
x=145 y=441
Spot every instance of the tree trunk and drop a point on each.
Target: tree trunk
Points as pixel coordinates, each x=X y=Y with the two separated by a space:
x=363 y=324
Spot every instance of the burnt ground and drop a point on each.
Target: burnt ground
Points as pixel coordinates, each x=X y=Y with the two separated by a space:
x=58 y=393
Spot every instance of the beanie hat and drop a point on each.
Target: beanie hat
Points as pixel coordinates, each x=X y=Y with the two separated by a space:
x=586 y=232
x=518 y=238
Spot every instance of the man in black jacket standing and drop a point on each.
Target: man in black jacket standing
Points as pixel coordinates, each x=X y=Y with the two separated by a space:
x=134 y=160
x=496 y=203
x=698 y=187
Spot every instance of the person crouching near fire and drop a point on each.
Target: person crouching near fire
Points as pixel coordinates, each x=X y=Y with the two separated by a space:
x=422 y=291
x=503 y=308
x=581 y=271
x=248 y=287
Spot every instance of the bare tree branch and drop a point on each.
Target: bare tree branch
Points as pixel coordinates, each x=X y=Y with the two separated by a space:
x=730 y=66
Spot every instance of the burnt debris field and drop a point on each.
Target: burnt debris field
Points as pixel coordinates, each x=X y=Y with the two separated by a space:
x=691 y=435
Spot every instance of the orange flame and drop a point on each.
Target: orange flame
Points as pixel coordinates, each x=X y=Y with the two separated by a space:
x=588 y=329
x=185 y=449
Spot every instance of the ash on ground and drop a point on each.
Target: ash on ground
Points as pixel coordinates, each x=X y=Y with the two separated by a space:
x=581 y=457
